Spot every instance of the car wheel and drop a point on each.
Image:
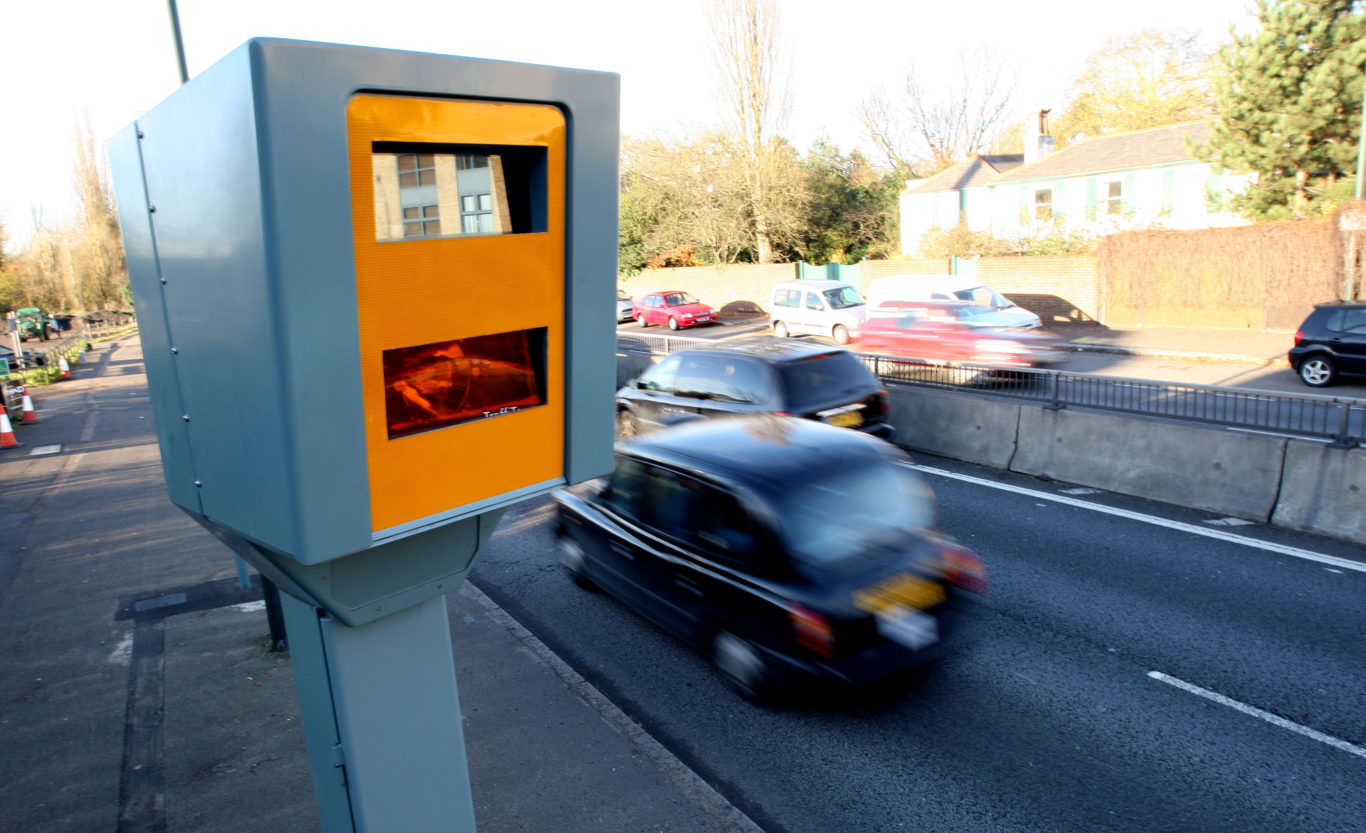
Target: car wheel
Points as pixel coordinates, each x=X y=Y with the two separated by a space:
x=627 y=427
x=673 y=323
x=740 y=665
x=1318 y=371
x=780 y=329
x=640 y=319
x=840 y=334
x=572 y=558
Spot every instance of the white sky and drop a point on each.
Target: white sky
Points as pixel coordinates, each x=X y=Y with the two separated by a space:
x=115 y=59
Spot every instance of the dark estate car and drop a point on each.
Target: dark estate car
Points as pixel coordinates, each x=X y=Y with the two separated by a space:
x=757 y=375
x=789 y=550
x=1331 y=343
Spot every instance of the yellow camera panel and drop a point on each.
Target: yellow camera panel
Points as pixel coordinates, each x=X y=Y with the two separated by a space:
x=458 y=222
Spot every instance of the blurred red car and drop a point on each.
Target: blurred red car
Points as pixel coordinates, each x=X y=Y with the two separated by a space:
x=677 y=309
x=934 y=331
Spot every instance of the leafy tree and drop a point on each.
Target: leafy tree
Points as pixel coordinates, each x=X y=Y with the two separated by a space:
x=1289 y=105
x=931 y=126
x=683 y=191
x=1145 y=79
x=852 y=213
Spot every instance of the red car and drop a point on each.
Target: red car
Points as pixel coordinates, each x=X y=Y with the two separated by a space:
x=676 y=308
x=935 y=331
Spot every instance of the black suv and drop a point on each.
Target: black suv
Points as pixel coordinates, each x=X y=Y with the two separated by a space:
x=1331 y=342
x=760 y=375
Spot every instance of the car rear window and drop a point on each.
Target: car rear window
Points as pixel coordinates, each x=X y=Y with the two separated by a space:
x=823 y=379
x=853 y=513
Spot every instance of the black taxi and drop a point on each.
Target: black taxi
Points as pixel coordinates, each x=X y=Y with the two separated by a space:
x=787 y=549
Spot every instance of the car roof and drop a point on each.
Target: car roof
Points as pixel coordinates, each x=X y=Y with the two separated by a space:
x=1339 y=303
x=770 y=349
x=812 y=284
x=763 y=452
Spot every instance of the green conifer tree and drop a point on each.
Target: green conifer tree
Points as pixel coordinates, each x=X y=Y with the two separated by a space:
x=1289 y=105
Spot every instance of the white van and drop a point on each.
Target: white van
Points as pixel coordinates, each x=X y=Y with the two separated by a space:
x=825 y=308
x=989 y=307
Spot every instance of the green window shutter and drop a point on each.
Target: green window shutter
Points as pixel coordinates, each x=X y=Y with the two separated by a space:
x=963 y=206
x=1130 y=181
x=1090 y=198
x=1168 y=190
x=1216 y=188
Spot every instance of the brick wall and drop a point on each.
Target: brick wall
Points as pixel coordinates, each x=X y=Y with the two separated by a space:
x=1059 y=290
x=740 y=285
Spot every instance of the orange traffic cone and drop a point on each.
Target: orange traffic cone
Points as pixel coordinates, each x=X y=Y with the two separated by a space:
x=30 y=415
x=65 y=368
x=7 y=439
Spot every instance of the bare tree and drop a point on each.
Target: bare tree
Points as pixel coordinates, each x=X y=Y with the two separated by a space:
x=935 y=123
x=748 y=59
x=96 y=247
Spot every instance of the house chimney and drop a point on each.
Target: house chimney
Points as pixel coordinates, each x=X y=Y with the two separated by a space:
x=1038 y=143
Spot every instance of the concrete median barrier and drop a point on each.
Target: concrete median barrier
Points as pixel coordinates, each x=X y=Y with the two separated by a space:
x=962 y=427
x=1230 y=472
x=1323 y=490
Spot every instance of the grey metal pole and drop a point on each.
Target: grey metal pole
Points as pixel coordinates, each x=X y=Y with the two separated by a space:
x=382 y=719
x=179 y=44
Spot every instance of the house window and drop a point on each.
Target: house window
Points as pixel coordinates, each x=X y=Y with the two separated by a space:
x=1043 y=204
x=1114 y=197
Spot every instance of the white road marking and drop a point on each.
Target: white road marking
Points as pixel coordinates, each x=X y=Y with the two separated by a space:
x=251 y=607
x=1213 y=696
x=45 y=449
x=123 y=651
x=1229 y=537
x=1228 y=522
x=1081 y=491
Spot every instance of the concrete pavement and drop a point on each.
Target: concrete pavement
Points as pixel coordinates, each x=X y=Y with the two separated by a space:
x=139 y=693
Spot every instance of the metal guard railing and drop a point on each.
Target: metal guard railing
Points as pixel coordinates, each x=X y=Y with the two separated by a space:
x=1339 y=419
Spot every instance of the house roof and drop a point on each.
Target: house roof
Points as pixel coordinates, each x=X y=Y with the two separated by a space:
x=1137 y=149
x=1141 y=148
x=977 y=170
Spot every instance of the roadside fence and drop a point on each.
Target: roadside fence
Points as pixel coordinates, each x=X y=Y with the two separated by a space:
x=1340 y=420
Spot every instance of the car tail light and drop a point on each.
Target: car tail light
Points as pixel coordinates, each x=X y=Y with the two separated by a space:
x=811 y=630
x=963 y=569
x=1299 y=336
x=782 y=413
x=878 y=404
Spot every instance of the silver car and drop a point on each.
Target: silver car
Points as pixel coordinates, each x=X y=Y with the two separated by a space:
x=623 y=306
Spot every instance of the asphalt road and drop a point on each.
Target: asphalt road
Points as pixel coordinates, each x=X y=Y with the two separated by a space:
x=1125 y=675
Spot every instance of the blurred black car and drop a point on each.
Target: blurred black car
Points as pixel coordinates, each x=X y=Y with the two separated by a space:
x=789 y=550
x=757 y=375
x=1330 y=343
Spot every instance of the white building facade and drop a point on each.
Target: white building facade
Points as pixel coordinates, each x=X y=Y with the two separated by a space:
x=1144 y=179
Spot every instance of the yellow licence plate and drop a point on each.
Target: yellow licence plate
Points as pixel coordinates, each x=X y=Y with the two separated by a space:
x=846 y=419
x=905 y=591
